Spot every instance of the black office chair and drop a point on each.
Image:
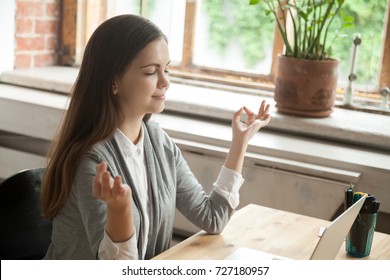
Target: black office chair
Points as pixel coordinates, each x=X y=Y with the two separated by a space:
x=24 y=233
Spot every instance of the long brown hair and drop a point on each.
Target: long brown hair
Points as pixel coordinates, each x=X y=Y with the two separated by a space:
x=93 y=113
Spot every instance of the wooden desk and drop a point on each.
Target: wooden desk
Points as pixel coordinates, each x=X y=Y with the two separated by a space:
x=270 y=230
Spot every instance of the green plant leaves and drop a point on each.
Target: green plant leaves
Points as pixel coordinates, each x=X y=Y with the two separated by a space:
x=310 y=24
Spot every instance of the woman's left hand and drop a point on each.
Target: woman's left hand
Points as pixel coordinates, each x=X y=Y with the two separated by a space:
x=244 y=131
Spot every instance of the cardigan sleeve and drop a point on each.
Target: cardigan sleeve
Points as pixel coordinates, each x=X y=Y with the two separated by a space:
x=92 y=210
x=208 y=212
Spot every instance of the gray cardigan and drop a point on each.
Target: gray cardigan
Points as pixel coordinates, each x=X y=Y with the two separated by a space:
x=79 y=227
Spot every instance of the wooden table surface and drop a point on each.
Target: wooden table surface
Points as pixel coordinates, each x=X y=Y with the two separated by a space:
x=278 y=232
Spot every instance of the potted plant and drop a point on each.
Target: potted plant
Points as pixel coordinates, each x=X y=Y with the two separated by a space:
x=306 y=74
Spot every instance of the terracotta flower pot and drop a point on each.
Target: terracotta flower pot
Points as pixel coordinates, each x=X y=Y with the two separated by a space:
x=306 y=87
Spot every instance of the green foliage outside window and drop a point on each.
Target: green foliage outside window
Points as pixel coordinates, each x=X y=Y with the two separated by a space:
x=228 y=21
x=369 y=22
x=253 y=29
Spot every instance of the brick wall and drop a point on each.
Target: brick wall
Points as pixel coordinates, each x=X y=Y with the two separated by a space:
x=36 y=33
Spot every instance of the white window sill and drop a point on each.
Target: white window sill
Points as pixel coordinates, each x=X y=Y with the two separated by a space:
x=347 y=126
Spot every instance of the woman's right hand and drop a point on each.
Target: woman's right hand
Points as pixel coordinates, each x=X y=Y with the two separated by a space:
x=111 y=190
x=119 y=223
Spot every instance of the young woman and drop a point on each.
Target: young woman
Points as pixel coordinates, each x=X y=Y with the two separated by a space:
x=114 y=177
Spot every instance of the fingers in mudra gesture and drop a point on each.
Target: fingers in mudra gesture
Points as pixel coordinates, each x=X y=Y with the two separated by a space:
x=111 y=190
x=253 y=122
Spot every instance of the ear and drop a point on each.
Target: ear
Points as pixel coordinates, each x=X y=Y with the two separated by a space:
x=115 y=89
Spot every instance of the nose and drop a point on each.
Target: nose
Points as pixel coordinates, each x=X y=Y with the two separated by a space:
x=163 y=80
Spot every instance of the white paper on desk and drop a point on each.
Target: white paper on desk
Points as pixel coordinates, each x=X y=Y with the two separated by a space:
x=244 y=253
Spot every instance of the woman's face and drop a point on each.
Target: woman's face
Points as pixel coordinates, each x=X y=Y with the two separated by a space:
x=141 y=90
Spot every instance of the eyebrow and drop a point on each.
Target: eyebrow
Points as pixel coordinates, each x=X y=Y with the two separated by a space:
x=154 y=64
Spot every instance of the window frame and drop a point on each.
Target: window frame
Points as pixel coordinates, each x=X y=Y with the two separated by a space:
x=187 y=70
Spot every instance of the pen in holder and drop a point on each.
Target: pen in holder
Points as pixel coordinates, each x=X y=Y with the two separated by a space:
x=359 y=239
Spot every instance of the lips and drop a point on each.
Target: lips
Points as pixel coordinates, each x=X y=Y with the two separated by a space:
x=161 y=97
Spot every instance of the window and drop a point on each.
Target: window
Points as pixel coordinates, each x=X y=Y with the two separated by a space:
x=210 y=40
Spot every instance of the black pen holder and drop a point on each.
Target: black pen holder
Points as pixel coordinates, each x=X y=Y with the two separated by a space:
x=361 y=234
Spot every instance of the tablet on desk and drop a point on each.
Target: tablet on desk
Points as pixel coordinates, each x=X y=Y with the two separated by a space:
x=328 y=246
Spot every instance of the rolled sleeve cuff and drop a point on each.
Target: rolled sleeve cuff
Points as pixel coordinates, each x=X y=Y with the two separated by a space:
x=228 y=185
x=108 y=250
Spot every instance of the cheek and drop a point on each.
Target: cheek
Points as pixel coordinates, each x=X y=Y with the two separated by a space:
x=141 y=84
x=136 y=93
x=127 y=89
x=137 y=88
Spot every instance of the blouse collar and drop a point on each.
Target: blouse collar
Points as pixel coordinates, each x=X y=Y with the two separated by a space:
x=127 y=146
